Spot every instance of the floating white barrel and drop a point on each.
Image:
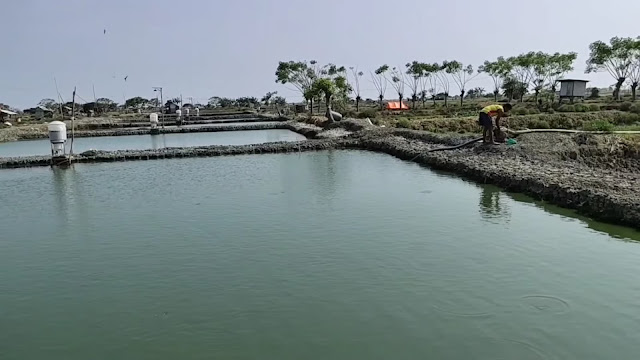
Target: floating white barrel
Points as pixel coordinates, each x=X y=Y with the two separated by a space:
x=197 y=111
x=57 y=132
x=178 y=113
x=186 y=112
x=153 y=119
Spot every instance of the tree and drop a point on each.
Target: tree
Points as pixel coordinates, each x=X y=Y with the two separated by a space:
x=135 y=102
x=475 y=93
x=431 y=76
x=513 y=88
x=176 y=100
x=461 y=75
x=397 y=80
x=416 y=73
x=226 y=102
x=497 y=70
x=48 y=103
x=379 y=79
x=356 y=85
x=105 y=104
x=443 y=79
x=332 y=82
x=634 y=71
x=522 y=73
x=154 y=102
x=559 y=65
x=616 y=58
x=214 y=102
x=300 y=74
x=279 y=100
x=266 y=99
x=247 y=101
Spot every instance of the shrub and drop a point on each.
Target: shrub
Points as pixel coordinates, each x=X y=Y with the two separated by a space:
x=625 y=106
x=594 y=107
x=567 y=108
x=599 y=125
x=403 y=123
x=626 y=118
x=595 y=93
x=367 y=113
x=581 y=108
x=635 y=108
x=534 y=111
x=551 y=111
x=538 y=124
x=519 y=111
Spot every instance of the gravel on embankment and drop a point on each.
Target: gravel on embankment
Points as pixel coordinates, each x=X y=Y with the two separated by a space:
x=567 y=170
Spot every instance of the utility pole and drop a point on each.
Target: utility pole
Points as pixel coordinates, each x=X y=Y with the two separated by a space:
x=73 y=122
x=180 y=100
x=161 y=102
x=191 y=100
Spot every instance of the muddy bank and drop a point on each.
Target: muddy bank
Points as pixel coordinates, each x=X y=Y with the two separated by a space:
x=604 y=192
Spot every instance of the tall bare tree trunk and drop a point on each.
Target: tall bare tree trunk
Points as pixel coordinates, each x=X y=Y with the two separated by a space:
x=311 y=107
x=446 y=96
x=495 y=95
x=381 y=98
x=400 y=96
x=461 y=97
x=633 y=91
x=616 y=91
x=357 y=103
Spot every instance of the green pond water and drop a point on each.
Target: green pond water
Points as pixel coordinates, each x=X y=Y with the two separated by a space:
x=143 y=142
x=327 y=255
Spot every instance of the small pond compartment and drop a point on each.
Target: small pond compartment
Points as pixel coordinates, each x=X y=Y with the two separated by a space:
x=143 y=142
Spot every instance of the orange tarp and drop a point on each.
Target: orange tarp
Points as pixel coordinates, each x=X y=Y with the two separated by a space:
x=395 y=105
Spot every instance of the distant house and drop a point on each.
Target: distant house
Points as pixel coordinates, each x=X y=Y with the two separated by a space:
x=5 y=115
x=573 y=88
x=40 y=112
x=170 y=107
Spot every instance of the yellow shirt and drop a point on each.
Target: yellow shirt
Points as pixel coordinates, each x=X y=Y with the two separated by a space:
x=492 y=110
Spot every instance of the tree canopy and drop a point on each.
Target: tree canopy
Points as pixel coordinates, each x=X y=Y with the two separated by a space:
x=616 y=58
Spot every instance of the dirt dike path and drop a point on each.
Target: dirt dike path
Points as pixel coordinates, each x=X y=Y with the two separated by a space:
x=590 y=185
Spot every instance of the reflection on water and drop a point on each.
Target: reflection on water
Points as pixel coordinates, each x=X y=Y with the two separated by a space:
x=619 y=232
x=316 y=255
x=491 y=206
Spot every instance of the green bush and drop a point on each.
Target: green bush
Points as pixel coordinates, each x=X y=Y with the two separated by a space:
x=403 y=123
x=567 y=108
x=534 y=111
x=594 y=107
x=538 y=124
x=625 y=106
x=581 y=108
x=551 y=111
x=635 y=108
x=599 y=125
x=367 y=113
x=519 y=111
x=621 y=118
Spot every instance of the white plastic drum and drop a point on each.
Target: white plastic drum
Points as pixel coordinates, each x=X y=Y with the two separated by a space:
x=153 y=119
x=57 y=132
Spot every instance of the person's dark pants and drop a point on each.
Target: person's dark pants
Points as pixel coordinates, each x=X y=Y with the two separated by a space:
x=485 y=121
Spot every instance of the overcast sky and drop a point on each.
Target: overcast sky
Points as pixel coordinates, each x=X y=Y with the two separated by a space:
x=204 y=48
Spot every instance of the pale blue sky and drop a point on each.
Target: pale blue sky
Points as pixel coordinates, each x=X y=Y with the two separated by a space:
x=201 y=48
